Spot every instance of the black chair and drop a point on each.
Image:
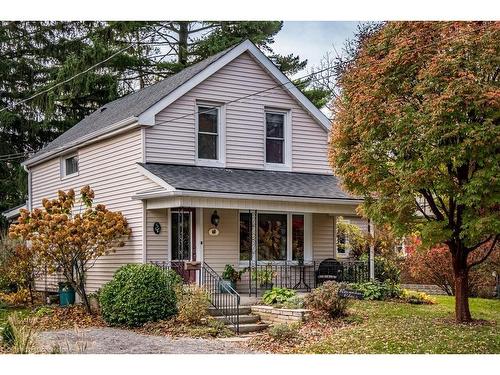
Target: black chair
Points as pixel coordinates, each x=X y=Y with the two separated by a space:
x=329 y=270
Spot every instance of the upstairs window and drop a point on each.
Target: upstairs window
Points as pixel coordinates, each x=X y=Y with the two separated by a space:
x=208 y=132
x=275 y=138
x=69 y=166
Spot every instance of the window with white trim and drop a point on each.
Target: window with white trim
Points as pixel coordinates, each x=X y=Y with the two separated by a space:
x=275 y=137
x=208 y=132
x=280 y=236
x=69 y=165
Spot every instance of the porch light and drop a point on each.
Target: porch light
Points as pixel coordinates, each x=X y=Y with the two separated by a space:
x=215 y=219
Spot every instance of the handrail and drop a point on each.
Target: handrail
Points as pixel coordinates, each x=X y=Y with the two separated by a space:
x=222 y=296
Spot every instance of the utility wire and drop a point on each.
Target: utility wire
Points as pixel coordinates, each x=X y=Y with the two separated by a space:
x=73 y=77
x=132 y=45
x=210 y=108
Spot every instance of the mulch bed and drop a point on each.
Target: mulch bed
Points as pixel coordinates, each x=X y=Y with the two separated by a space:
x=317 y=328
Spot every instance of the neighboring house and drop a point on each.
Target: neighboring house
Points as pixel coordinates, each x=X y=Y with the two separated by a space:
x=13 y=214
x=197 y=160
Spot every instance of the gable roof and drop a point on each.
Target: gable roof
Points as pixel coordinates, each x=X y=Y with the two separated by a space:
x=140 y=107
x=247 y=181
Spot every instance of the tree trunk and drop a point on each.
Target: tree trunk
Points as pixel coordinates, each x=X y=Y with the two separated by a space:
x=461 y=273
x=80 y=290
x=183 y=42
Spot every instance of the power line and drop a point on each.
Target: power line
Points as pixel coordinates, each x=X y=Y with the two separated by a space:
x=73 y=77
x=12 y=158
x=130 y=46
x=2 y=157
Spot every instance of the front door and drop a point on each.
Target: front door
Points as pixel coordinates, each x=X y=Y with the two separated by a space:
x=183 y=241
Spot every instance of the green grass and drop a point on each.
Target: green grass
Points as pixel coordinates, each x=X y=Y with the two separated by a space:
x=392 y=327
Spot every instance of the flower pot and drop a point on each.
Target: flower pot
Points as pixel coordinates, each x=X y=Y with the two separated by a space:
x=66 y=294
x=230 y=284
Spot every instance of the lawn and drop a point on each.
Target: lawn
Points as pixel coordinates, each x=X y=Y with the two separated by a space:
x=393 y=327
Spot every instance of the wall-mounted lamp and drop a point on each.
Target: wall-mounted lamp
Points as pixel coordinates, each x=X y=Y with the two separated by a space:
x=215 y=219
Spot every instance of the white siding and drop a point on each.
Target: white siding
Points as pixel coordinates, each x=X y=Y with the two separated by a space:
x=157 y=244
x=172 y=138
x=109 y=167
x=224 y=248
x=323 y=237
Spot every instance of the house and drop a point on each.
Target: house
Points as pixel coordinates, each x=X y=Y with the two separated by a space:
x=222 y=163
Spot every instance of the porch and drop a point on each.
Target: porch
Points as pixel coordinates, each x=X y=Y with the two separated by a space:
x=299 y=277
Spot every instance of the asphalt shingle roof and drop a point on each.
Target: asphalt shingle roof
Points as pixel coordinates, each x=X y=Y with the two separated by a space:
x=246 y=181
x=128 y=106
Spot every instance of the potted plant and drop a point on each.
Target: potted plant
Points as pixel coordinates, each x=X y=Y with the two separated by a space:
x=264 y=277
x=230 y=277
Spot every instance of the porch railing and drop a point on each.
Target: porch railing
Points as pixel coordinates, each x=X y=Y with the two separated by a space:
x=222 y=296
x=302 y=277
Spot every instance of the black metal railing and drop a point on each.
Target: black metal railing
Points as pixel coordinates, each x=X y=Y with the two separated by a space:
x=291 y=275
x=222 y=296
x=302 y=277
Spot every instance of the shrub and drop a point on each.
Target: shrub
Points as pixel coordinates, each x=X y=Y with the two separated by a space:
x=284 y=331
x=21 y=297
x=373 y=290
x=139 y=293
x=434 y=266
x=326 y=299
x=7 y=335
x=295 y=302
x=19 y=334
x=211 y=328
x=277 y=296
x=417 y=298
x=43 y=311
x=385 y=269
x=193 y=304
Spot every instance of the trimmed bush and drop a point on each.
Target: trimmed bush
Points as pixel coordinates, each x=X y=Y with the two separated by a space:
x=326 y=299
x=139 y=293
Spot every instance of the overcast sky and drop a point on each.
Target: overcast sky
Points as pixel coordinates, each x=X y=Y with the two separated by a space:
x=311 y=40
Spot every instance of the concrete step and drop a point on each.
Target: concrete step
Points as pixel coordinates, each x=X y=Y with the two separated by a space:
x=244 y=310
x=244 y=319
x=250 y=327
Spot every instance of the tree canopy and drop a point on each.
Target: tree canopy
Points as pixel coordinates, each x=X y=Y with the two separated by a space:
x=416 y=134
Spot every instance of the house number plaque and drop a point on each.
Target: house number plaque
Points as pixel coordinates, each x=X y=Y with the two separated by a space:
x=157 y=227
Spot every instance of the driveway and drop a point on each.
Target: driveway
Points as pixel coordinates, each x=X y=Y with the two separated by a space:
x=121 y=341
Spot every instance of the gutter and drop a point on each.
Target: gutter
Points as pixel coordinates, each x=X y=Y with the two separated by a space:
x=208 y=194
x=116 y=128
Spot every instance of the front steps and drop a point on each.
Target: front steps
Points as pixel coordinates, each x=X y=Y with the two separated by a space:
x=249 y=323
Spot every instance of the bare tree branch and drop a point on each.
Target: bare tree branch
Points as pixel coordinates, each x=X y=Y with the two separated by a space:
x=479 y=261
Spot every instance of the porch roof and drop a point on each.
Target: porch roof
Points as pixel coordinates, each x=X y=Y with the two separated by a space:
x=247 y=181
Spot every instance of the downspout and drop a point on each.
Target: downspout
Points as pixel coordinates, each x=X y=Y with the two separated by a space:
x=29 y=201
x=371 y=258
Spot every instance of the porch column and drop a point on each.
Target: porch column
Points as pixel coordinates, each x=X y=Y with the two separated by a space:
x=372 y=251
